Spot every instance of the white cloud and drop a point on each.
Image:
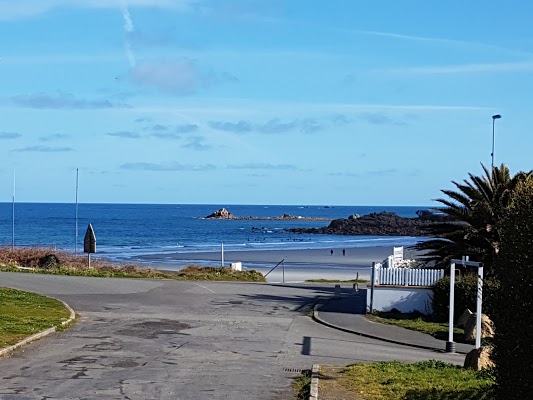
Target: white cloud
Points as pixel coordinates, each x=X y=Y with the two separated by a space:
x=524 y=66
x=10 y=9
x=179 y=76
x=61 y=101
x=166 y=167
x=436 y=40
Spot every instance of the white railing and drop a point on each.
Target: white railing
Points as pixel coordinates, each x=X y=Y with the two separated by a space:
x=406 y=276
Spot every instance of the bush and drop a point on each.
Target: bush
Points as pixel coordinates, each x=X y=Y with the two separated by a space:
x=465 y=296
x=48 y=261
x=513 y=306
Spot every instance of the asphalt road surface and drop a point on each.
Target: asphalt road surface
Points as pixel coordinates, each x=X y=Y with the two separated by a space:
x=151 y=339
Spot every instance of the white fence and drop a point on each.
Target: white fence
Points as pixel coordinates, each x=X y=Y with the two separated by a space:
x=406 y=276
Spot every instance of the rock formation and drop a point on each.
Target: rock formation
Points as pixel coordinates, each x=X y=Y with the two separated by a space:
x=487 y=328
x=225 y=214
x=479 y=359
x=221 y=214
x=383 y=223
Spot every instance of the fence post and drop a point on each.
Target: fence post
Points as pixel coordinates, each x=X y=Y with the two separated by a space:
x=372 y=283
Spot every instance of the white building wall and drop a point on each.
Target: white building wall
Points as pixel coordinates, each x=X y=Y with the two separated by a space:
x=404 y=299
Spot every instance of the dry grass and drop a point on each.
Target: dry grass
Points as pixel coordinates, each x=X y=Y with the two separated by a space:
x=49 y=261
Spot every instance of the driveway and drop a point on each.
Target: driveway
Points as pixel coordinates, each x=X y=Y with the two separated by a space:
x=151 y=339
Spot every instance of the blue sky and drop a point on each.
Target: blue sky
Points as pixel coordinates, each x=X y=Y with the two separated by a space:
x=342 y=102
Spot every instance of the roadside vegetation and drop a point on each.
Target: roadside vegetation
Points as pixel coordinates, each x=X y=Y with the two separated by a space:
x=48 y=261
x=23 y=314
x=302 y=385
x=337 y=281
x=395 y=380
x=417 y=322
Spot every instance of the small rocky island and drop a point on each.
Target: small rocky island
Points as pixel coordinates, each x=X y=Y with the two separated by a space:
x=379 y=224
x=225 y=214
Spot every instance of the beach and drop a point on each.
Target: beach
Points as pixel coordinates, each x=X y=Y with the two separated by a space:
x=298 y=264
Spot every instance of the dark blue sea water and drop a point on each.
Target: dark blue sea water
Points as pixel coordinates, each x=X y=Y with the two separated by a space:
x=126 y=230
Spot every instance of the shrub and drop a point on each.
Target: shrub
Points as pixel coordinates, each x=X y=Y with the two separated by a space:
x=465 y=296
x=513 y=306
x=48 y=261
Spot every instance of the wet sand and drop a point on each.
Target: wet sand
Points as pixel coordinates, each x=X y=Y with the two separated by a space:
x=298 y=265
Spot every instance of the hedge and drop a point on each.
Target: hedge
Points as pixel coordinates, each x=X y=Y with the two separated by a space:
x=465 y=296
x=513 y=305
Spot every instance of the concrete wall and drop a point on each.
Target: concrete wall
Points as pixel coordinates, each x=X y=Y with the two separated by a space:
x=405 y=299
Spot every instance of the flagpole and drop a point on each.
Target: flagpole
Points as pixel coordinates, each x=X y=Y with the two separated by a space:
x=13 y=216
x=76 y=243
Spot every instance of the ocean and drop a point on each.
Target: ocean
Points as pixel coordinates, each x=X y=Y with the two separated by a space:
x=125 y=231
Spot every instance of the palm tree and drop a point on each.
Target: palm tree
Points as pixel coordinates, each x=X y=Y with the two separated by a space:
x=473 y=211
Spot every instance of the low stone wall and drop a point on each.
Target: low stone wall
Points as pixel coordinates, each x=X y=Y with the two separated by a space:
x=403 y=298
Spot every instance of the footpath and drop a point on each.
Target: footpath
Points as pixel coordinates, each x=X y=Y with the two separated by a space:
x=346 y=313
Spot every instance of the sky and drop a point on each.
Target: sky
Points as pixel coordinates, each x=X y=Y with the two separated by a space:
x=340 y=102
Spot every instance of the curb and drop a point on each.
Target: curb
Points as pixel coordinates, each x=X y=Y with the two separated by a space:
x=418 y=346
x=41 y=334
x=313 y=391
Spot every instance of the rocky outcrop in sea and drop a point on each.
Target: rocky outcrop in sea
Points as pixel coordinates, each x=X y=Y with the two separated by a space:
x=379 y=224
x=225 y=214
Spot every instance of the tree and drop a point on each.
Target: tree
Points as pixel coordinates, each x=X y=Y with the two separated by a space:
x=474 y=211
x=513 y=305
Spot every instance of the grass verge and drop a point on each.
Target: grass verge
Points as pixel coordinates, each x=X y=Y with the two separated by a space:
x=302 y=385
x=416 y=322
x=23 y=314
x=336 y=281
x=425 y=380
x=47 y=261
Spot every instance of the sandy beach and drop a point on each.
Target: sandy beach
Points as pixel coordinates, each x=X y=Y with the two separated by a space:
x=298 y=265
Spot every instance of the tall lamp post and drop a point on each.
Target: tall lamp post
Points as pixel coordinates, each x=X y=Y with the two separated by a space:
x=494 y=118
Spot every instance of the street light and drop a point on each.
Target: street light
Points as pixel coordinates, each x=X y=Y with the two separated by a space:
x=494 y=118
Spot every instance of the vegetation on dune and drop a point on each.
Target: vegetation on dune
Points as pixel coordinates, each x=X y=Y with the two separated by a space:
x=48 y=261
x=23 y=314
x=195 y=272
x=476 y=208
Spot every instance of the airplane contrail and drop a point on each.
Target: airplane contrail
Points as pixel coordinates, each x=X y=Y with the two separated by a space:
x=128 y=28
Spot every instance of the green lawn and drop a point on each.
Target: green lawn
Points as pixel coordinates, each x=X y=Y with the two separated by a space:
x=23 y=314
x=417 y=322
x=429 y=380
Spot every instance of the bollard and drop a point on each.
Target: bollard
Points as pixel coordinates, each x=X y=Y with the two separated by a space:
x=450 y=347
x=356 y=288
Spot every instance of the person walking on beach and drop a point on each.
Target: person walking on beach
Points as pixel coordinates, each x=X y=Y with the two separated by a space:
x=343 y=252
x=331 y=252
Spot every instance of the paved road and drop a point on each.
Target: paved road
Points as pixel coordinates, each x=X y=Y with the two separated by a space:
x=147 y=339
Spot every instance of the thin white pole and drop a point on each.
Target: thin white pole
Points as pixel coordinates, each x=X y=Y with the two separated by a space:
x=13 y=217
x=478 y=308
x=452 y=301
x=222 y=254
x=76 y=242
